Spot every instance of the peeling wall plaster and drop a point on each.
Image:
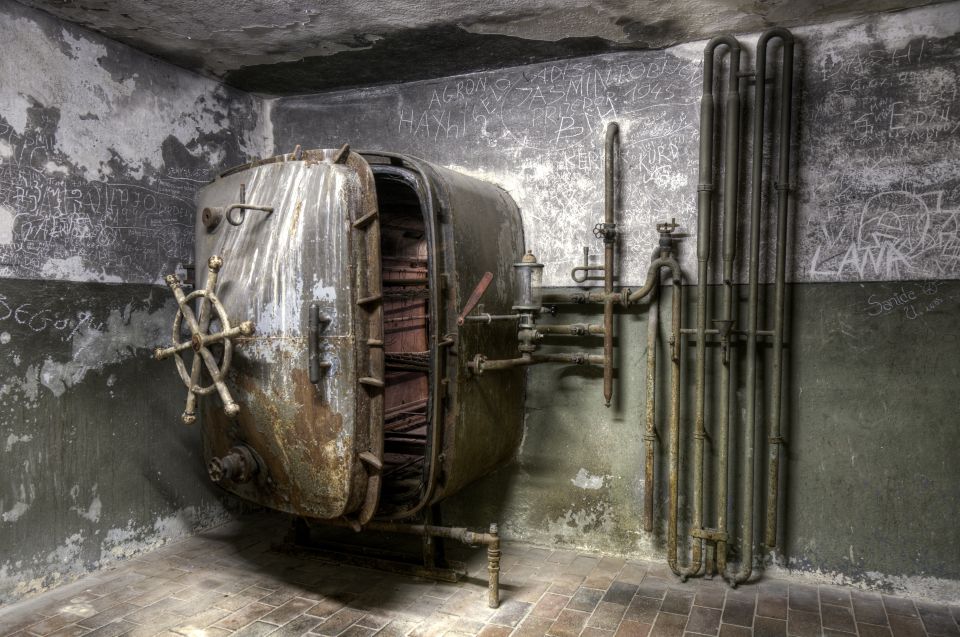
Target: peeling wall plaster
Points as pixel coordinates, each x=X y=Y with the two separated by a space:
x=94 y=465
x=101 y=152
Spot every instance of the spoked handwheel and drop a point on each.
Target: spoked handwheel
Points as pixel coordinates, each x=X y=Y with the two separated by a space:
x=200 y=341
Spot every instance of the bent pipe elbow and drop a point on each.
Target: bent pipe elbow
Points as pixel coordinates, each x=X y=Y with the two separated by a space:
x=708 y=52
x=776 y=32
x=662 y=262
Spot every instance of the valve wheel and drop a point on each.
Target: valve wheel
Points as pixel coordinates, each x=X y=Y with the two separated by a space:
x=200 y=340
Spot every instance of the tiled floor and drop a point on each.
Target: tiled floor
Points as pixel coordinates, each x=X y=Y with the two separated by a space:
x=230 y=582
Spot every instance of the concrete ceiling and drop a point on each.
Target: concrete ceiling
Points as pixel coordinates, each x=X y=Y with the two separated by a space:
x=300 y=46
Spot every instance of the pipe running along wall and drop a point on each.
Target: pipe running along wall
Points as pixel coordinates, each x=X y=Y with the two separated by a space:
x=723 y=330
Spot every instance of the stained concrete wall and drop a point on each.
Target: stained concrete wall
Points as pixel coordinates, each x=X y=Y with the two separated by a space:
x=869 y=491
x=101 y=151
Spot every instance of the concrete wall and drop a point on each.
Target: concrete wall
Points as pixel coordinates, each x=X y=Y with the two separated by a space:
x=869 y=485
x=101 y=151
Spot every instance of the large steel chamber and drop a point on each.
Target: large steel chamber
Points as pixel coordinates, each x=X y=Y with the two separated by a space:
x=353 y=398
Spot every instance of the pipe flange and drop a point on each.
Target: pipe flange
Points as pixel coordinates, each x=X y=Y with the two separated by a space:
x=239 y=465
x=476 y=365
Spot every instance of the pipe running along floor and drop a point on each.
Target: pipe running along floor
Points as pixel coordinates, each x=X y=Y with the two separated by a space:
x=231 y=581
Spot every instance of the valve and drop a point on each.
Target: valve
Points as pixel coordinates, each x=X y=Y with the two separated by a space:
x=605 y=231
x=200 y=340
x=668 y=227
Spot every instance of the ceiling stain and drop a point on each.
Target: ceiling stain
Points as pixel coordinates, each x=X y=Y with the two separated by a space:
x=284 y=47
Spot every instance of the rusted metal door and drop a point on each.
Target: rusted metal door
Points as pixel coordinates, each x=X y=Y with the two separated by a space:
x=309 y=381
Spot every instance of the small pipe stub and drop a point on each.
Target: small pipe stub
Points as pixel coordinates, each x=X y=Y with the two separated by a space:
x=238 y=465
x=211 y=217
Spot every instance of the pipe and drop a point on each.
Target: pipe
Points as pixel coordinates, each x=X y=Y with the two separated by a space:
x=490 y=539
x=481 y=364
x=574 y=329
x=650 y=432
x=624 y=297
x=746 y=533
x=731 y=185
x=715 y=332
x=490 y=318
x=611 y=141
x=674 y=453
x=704 y=220
x=783 y=201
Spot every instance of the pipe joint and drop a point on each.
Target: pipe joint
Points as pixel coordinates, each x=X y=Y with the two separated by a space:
x=239 y=465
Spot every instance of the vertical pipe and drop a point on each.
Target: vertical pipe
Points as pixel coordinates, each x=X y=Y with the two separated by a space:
x=650 y=434
x=730 y=200
x=704 y=219
x=746 y=533
x=783 y=194
x=609 y=204
x=675 y=337
x=704 y=214
x=493 y=568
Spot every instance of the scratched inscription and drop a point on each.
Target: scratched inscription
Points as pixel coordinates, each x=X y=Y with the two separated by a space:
x=875 y=180
x=882 y=201
x=60 y=224
x=549 y=121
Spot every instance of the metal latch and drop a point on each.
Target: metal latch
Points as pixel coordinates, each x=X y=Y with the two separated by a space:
x=316 y=324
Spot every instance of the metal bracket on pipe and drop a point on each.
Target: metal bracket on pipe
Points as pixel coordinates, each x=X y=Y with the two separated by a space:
x=711 y=535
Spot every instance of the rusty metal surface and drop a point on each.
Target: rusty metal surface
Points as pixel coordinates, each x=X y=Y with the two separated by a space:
x=480 y=231
x=318 y=435
x=611 y=144
x=275 y=267
x=475 y=423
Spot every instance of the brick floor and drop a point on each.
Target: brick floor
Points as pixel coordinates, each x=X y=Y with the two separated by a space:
x=230 y=582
